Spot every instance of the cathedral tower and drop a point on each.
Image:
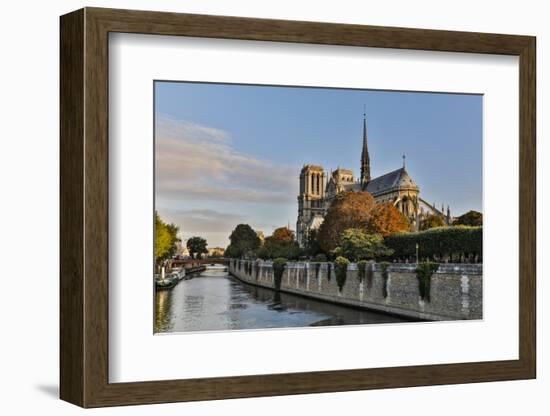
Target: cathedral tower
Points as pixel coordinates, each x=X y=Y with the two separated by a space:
x=365 y=159
x=310 y=199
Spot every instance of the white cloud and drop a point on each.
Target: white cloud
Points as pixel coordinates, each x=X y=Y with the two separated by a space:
x=176 y=129
x=198 y=168
x=200 y=162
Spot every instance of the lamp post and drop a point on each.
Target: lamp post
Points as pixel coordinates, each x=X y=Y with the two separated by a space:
x=416 y=253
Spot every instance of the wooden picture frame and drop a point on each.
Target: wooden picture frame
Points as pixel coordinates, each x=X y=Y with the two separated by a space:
x=84 y=207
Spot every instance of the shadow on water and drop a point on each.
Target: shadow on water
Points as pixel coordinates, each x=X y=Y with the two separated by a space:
x=217 y=301
x=338 y=314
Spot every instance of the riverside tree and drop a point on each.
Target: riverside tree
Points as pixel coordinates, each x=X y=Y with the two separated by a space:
x=386 y=219
x=357 y=245
x=312 y=247
x=280 y=244
x=283 y=234
x=349 y=210
x=432 y=221
x=471 y=218
x=197 y=246
x=243 y=241
x=165 y=239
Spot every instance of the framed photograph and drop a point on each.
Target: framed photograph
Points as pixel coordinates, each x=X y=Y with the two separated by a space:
x=254 y=207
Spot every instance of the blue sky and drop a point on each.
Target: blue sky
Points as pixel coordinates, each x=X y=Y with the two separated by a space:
x=232 y=153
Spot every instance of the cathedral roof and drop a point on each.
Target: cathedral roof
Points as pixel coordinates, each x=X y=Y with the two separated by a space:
x=342 y=171
x=393 y=180
x=310 y=167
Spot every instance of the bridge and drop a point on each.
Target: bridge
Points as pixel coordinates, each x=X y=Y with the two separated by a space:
x=192 y=263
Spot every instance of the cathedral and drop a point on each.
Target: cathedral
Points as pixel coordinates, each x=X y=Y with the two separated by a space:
x=317 y=191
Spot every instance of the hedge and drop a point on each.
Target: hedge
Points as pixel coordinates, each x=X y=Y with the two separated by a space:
x=424 y=273
x=341 y=268
x=453 y=243
x=279 y=265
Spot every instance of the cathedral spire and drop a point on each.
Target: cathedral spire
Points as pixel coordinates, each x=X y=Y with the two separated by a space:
x=365 y=159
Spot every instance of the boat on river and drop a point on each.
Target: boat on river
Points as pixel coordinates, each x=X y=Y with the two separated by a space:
x=165 y=283
x=169 y=280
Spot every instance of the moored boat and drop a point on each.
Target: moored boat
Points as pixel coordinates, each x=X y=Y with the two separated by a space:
x=165 y=283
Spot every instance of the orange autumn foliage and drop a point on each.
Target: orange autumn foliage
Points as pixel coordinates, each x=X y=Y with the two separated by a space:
x=282 y=234
x=348 y=210
x=386 y=219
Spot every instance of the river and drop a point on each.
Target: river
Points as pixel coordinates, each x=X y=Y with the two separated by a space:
x=217 y=301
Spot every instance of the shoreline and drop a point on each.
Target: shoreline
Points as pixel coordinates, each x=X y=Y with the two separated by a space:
x=403 y=318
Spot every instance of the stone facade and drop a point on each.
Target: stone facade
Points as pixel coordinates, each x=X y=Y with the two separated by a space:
x=456 y=289
x=318 y=190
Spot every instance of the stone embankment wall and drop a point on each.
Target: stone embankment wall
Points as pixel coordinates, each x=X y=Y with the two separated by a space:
x=456 y=289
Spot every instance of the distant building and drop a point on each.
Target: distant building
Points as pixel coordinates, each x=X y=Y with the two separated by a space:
x=184 y=252
x=317 y=192
x=181 y=250
x=216 y=252
x=261 y=236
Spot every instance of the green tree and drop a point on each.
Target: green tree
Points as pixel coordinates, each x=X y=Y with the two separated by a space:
x=166 y=237
x=280 y=244
x=231 y=252
x=173 y=232
x=197 y=246
x=312 y=246
x=432 y=221
x=279 y=265
x=320 y=258
x=424 y=272
x=243 y=240
x=274 y=249
x=357 y=245
x=472 y=218
x=162 y=241
x=341 y=270
x=348 y=210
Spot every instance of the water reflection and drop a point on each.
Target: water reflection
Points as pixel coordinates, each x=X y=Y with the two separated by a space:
x=217 y=301
x=163 y=303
